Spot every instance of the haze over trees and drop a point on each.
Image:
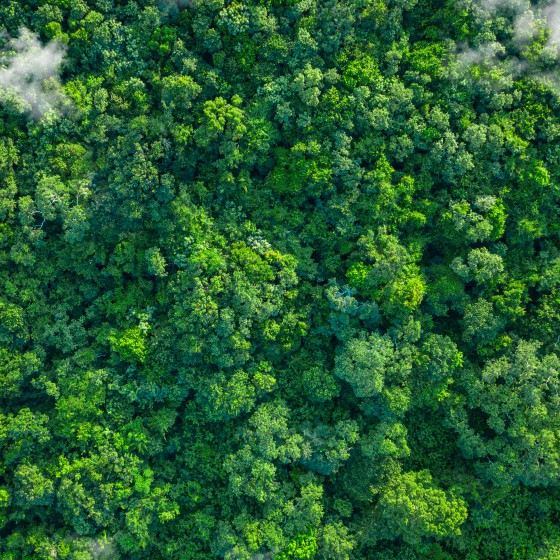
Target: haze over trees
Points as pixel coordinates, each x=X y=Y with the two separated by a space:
x=280 y=279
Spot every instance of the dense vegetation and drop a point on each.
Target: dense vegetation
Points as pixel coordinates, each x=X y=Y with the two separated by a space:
x=280 y=279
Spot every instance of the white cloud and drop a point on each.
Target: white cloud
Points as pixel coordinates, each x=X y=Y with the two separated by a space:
x=552 y=13
x=525 y=28
x=174 y=5
x=527 y=24
x=493 y=5
x=486 y=54
x=527 y=20
x=31 y=71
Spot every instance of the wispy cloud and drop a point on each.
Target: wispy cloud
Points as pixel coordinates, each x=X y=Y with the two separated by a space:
x=100 y=548
x=486 y=54
x=30 y=70
x=525 y=27
x=528 y=24
x=527 y=19
x=174 y=5
x=552 y=13
x=490 y=6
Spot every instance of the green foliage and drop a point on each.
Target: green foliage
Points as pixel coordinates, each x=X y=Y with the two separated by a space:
x=130 y=344
x=362 y=363
x=415 y=509
x=279 y=279
x=162 y=40
x=303 y=546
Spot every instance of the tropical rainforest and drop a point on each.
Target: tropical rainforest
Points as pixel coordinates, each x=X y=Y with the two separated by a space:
x=280 y=279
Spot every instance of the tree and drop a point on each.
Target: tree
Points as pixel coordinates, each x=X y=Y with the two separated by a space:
x=415 y=509
x=515 y=399
x=362 y=362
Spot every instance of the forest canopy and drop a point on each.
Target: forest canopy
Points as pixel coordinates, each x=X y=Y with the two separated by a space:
x=280 y=279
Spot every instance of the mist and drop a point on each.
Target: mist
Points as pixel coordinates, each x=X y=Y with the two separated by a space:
x=552 y=13
x=171 y=6
x=528 y=23
x=527 y=20
x=31 y=72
